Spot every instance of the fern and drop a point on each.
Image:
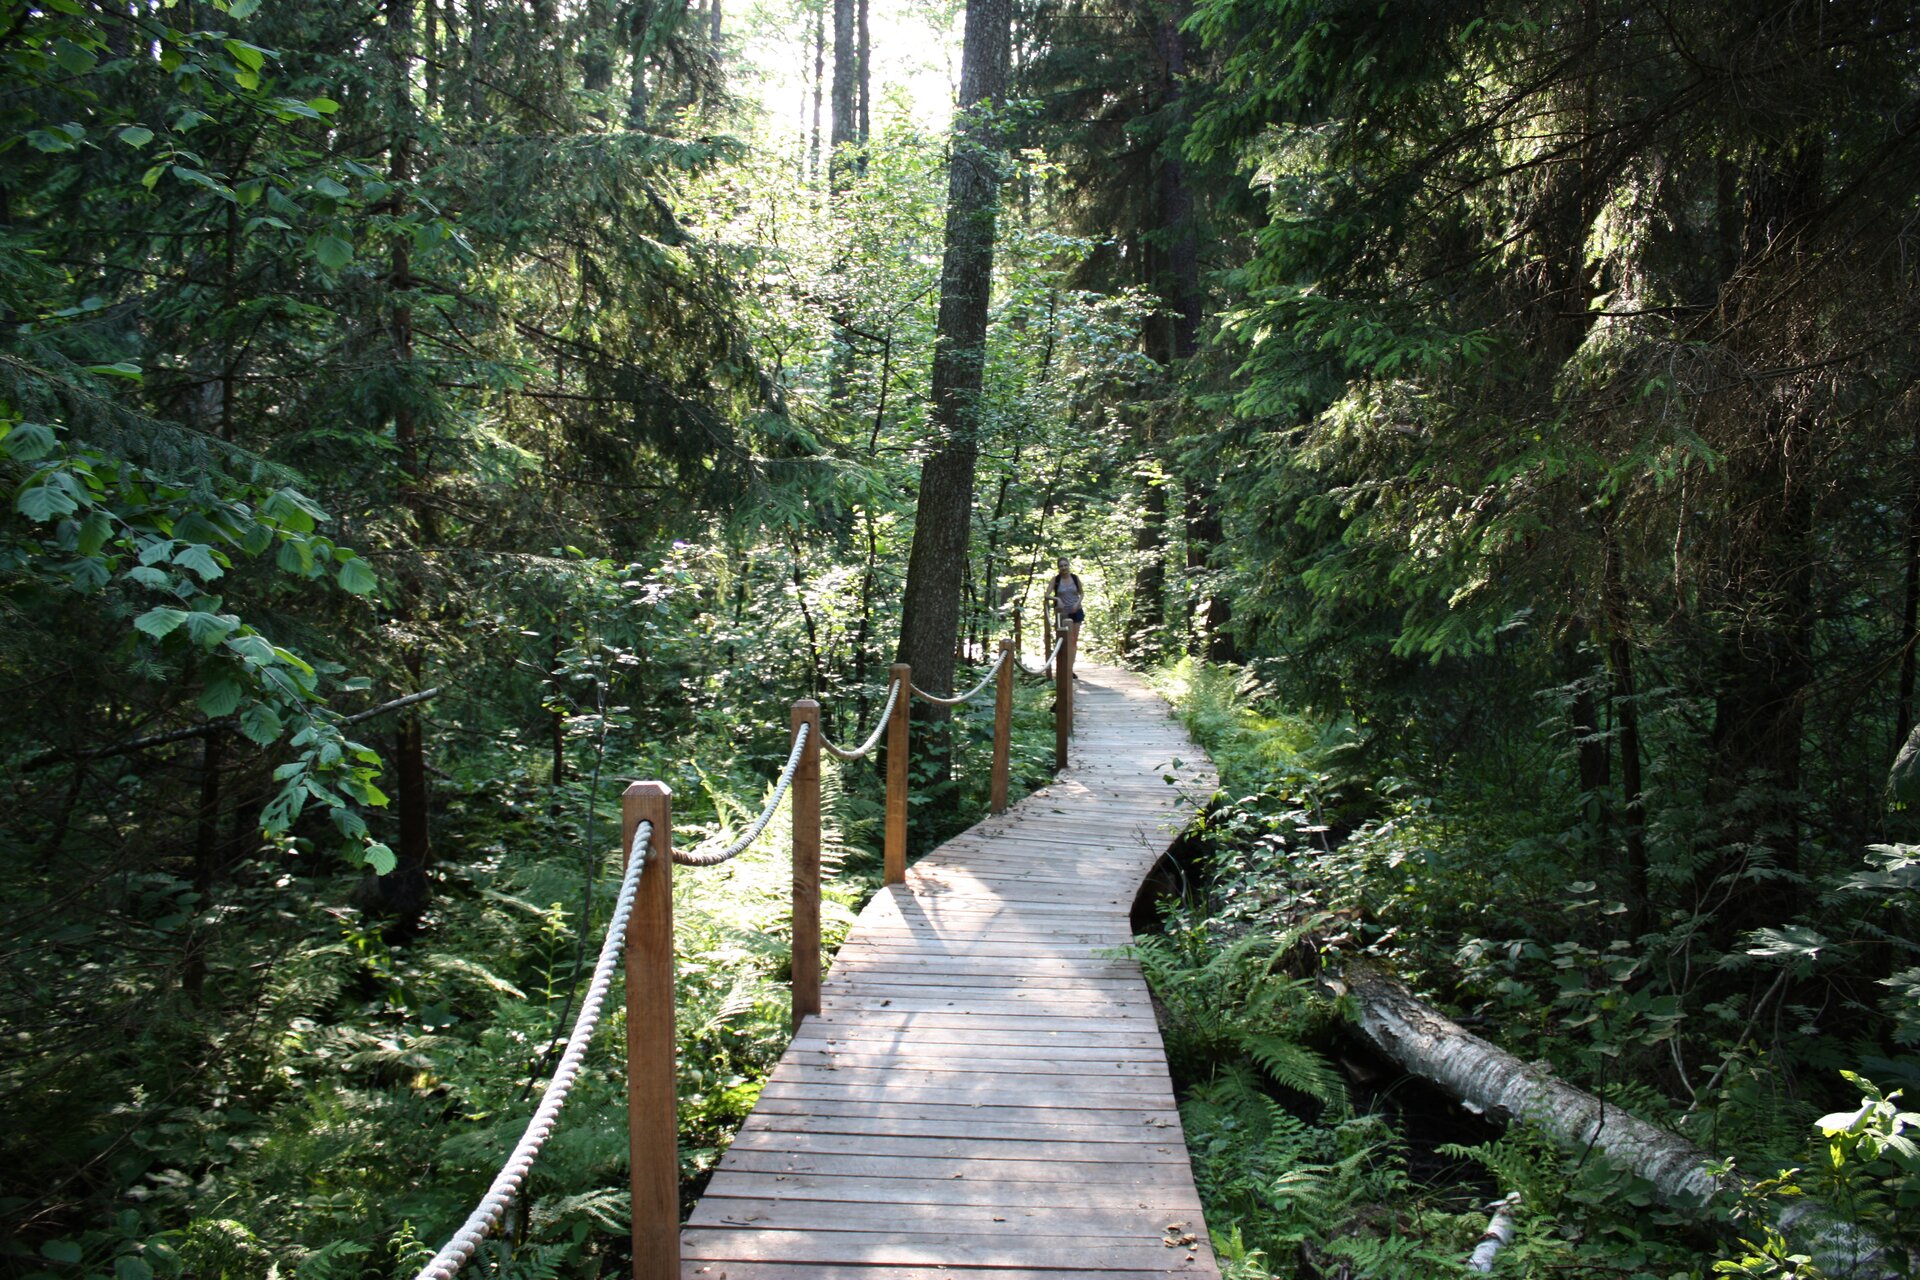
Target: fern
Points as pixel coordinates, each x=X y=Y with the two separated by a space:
x=337 y=1261
x=1295 y=1067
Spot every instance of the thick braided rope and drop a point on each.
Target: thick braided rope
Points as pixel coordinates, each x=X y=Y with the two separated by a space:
x=861 y=752
x=1046 y=666
x=970 y=694
x=714 y=857
x=506 y=1184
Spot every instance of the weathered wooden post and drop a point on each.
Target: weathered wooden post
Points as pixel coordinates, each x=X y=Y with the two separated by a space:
x=806 y=864
x=652 y=1121
x=897 y=725
x=1063 y=692
x=1003 y=722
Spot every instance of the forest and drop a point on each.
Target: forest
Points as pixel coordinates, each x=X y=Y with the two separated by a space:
x=1494 y=426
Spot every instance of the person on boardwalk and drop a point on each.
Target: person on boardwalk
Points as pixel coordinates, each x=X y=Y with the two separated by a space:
x=1067 y=600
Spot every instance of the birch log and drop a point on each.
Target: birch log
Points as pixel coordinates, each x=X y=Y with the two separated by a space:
x=1426 y=1043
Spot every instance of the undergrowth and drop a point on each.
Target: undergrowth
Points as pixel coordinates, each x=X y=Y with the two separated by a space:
x=336 y=1110
x=1307 y=1158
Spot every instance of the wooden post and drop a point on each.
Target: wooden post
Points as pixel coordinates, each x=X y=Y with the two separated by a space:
x=1003 y=723
x=1063 y=692
x=806 y=865
x=652 y=1120
x=896 y=847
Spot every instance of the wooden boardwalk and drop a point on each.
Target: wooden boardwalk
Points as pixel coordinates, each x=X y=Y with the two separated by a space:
x=984 y=1092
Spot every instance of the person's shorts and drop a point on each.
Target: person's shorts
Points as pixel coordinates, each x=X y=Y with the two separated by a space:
x=1078 y=615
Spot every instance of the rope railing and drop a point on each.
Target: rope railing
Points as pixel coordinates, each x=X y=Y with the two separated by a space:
x=1045 y=668
x=506 y=1184
x=970 y=694
x=865 y=749
x=714 y=857
x=643 y=923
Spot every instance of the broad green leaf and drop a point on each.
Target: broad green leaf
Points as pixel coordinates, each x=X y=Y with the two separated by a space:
x=241 y=10
x=29 y=441
x=331 y=189
x=158 y=579
x=221 y=697
x=293 y=660
x=356 y=577
x=196 y=178
x=160 y=621
x=49 y=141
x=67 y=1251
x=251 y=647
x=284 y=808
x=380 y=859
x=136 y=135
x=131 y=1266
x=199 y=558
x=261 y=723
x=94 y=531
x=291 y=509
x=250 y=56
x=74 y=59
x=331 y=251
x=209 y=629
x=45 y=502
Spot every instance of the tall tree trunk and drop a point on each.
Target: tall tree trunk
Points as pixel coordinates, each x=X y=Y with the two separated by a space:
x=597 y=44
x=1909 y=617
x=846 y=83
x=1211 y=610
x=206 y=861
x=819 y=83
x=865 y=129
x=639 y=47
x=1764 y=576
x=476 y=60
x=404 y=892
x=1147 y=620
x=1626 y=706
x=943 y=516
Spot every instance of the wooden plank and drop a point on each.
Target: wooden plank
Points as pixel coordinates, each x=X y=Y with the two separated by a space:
x=890 y=1248
x=883 y=1122
x=934 y=1059
x=1099 y=1222
x=1136 y=1178
x=828 y=1106
x=843 y=1189
x=989 y=1151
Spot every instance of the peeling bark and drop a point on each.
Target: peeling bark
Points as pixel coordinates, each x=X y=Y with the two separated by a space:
x=1427 y=1044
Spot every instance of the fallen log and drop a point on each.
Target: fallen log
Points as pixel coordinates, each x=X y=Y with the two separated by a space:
x=1424 y=1042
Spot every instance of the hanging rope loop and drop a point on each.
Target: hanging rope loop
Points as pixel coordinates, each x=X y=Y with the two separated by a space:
x=970 y=694
x=865 y=749
x=714 y=857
